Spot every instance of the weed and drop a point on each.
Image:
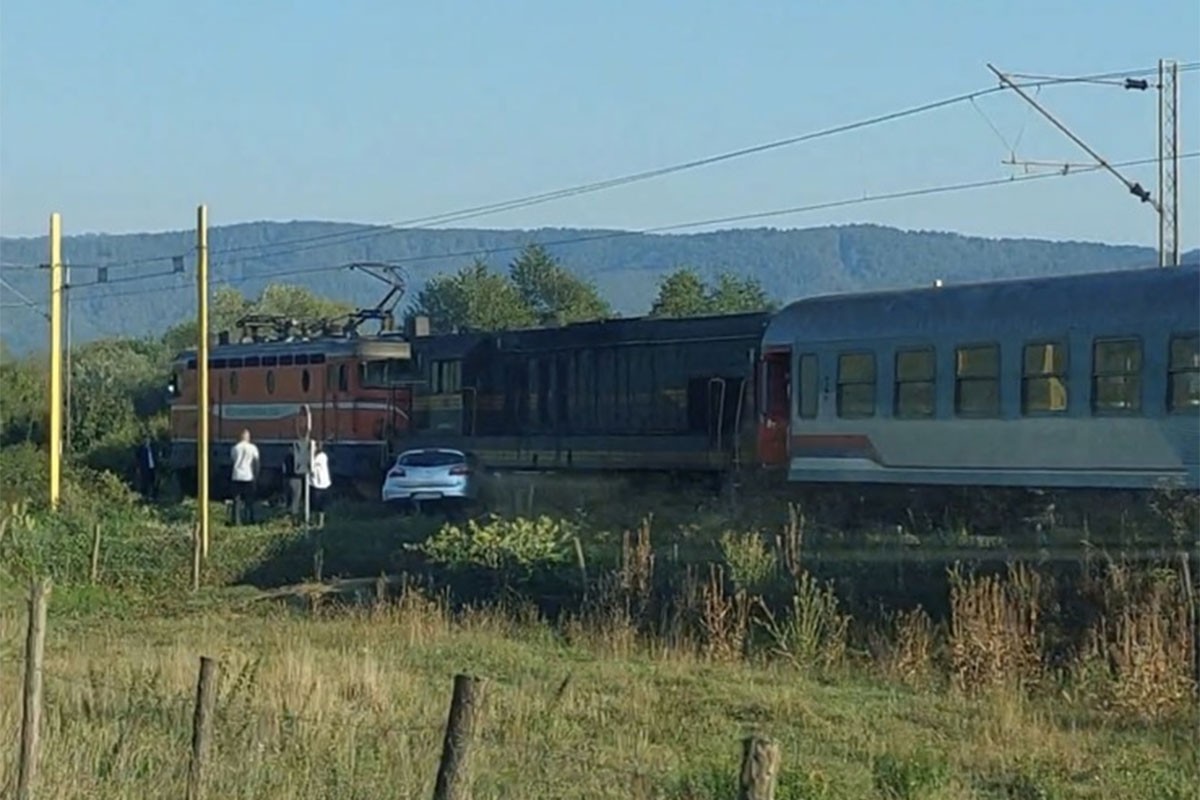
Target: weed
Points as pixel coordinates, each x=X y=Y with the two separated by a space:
x=814 y=632
x=751 y=564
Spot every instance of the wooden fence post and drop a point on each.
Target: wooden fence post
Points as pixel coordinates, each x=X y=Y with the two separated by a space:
x=453 y=777
x=31 y=714
x=95 y=573
x=760 y=769
x=206 y=698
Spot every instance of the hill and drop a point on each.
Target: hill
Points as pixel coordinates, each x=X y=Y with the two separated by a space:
x=146 y=296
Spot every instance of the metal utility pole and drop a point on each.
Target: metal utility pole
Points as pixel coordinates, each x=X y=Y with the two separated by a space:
x=1168 y=163
x=202 y=398
x=56 y=402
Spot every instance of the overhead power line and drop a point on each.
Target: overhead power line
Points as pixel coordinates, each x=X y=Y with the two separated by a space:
x=927 y=191
x=361 y=233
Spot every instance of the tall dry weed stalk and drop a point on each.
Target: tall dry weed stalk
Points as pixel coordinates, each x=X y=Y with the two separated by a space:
x=790 y=542
x=907 y=656
x=637 y=569
x=995 y=629
x=725 y=618
x=1147 y=640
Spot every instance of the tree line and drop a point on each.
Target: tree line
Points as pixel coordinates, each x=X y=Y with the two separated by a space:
x=538 y=290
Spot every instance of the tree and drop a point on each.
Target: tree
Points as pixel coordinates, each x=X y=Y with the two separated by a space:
x=23 y=403
x=683 y=293
x=553 y=294
x=227 y=305
x=680 y=294
x=115 y=385
x=734 y=295
x=475 y=298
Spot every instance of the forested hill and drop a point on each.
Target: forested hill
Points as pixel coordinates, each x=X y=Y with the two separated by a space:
x=625 y=267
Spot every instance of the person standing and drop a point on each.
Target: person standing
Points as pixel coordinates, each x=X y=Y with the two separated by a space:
x=295 y=484
x=146 y=468
x=245 y=476
x=319 y=481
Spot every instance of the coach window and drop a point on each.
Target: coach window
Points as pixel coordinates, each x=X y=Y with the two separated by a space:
x=977 y=381
x=1183 y=380
x=233 y=382
x=270 y=381
x=1116 y=375
x=914 y=383
x=807 y=380
x=1044 y=378
x=305 y=381
x=856 y=385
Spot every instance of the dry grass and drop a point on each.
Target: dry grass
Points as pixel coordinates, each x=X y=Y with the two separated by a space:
x=1146 y=641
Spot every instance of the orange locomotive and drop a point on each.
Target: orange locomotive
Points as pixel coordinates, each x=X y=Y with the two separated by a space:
x=355 y=393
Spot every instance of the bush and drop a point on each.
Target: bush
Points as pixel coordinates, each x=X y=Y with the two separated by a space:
x=507 y=545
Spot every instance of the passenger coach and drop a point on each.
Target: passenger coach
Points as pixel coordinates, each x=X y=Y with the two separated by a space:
x=1079 y=381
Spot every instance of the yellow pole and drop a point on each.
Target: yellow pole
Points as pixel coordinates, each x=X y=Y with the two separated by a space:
x=202 y=398
x=56 y=409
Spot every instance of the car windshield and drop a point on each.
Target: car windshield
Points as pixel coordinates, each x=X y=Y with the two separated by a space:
x=430 y=458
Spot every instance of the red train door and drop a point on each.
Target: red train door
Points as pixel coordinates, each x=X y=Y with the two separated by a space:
x=775 y=408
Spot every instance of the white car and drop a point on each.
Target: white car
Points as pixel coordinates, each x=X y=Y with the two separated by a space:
x=430 y=474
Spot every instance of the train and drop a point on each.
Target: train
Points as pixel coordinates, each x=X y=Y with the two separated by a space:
x=1088 y=381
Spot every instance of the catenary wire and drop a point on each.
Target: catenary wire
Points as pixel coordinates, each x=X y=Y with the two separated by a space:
x=361 y=233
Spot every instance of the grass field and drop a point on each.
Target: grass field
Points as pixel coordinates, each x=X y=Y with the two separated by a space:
x=353 y=704
x=697 y=629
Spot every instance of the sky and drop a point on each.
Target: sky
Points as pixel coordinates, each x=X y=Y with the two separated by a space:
x=124 y=116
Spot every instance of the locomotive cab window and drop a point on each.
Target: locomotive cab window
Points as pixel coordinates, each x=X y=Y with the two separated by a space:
x=1116 y=375
x=384 y=372
x=977 y=381
x=1183 y=379
x=447 y=377
x=915 y=379
x=856 y=385
x=1044 y=378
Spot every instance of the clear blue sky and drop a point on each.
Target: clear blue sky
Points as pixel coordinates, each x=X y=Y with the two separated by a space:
x=125 y=115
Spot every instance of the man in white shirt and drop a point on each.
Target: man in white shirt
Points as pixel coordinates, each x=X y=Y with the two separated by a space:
x=245 y=475
x=319 y=481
